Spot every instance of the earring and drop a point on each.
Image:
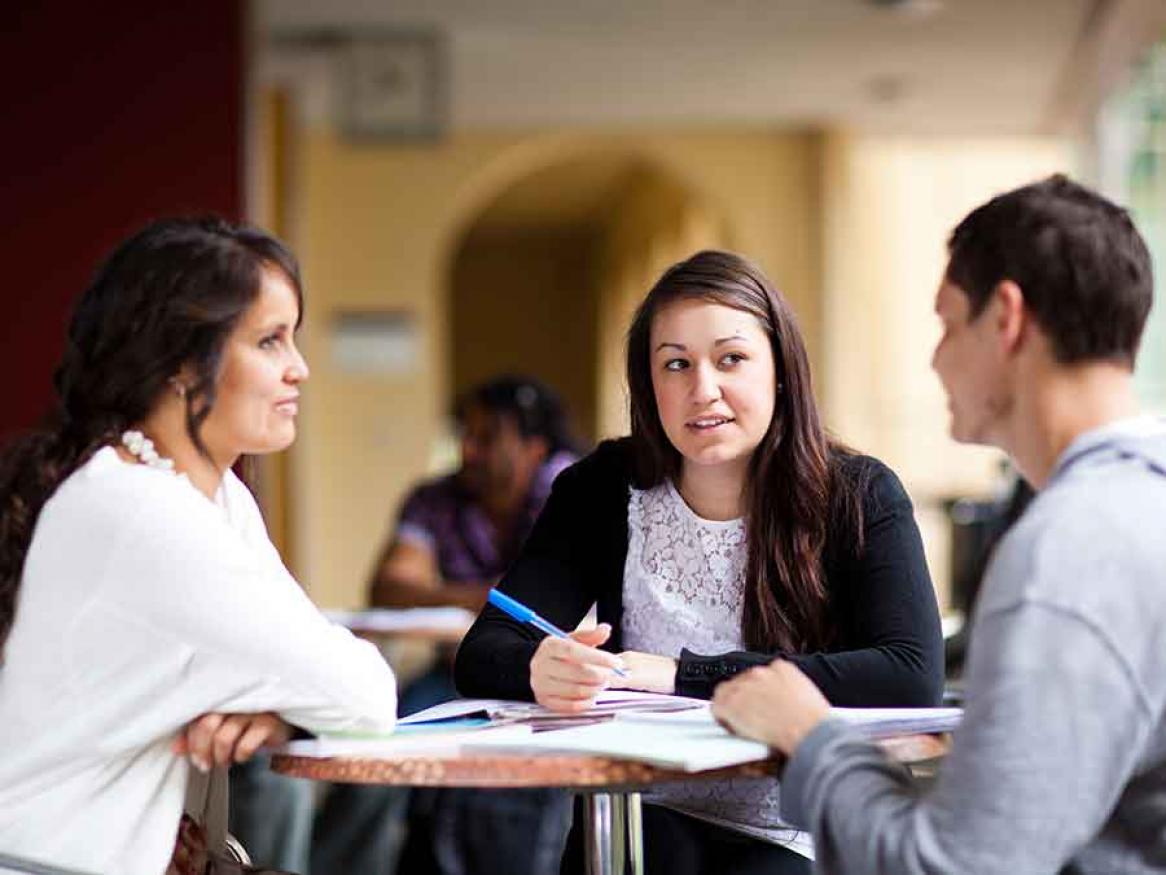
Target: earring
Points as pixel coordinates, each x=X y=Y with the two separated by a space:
x=178 y=386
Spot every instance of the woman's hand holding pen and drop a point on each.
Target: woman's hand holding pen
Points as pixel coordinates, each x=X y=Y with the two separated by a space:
x=566 y=674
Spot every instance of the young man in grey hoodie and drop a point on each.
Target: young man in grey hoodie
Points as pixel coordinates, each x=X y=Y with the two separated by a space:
x=1060 y=764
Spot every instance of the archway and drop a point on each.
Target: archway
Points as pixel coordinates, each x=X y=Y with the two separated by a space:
x=543 y=278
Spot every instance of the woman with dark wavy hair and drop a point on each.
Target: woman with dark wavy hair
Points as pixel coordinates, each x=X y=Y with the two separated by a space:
x=138 y=587
x=726 y=531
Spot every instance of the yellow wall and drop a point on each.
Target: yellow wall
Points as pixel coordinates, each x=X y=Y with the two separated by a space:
x=851 y=228
x=654 y=224
x=376 y=228
x=889 y=205
x=523 y=301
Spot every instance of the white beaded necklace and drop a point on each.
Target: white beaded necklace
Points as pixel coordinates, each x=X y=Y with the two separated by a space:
x=142 y=448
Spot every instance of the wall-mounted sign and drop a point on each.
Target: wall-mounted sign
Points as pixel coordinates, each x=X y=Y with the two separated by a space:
x=375 y=343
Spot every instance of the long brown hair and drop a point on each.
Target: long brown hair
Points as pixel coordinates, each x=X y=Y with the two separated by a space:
x=796 y=492
x=165 y=299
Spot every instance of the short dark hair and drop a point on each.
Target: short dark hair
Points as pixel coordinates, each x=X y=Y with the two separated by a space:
x=1082 y=265
x=534 y=408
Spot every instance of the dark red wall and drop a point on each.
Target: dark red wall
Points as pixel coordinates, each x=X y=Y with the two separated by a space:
x=111 y=114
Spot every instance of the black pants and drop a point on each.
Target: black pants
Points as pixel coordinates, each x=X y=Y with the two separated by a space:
x=485 y=832
x=675 y=844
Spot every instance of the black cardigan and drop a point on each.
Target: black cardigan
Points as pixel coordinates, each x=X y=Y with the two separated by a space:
x=888 y=650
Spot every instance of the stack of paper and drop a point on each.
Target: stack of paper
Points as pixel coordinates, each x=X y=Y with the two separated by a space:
x=667 y=731
x=871 y=722
x=691 y=740
x=885 y=722
x=607 y=704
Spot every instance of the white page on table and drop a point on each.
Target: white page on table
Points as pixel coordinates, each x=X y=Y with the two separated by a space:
x=871 y=722
x=690 y=748
x=878 y=722
x=400 y=745
x=454 y=709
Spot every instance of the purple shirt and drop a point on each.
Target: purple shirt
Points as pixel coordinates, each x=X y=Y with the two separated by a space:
x=442 y=516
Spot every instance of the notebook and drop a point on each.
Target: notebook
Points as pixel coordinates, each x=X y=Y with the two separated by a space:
x=607 y=704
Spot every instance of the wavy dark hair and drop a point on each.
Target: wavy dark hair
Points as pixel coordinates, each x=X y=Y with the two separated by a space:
x=165 y=300
x=798 y=489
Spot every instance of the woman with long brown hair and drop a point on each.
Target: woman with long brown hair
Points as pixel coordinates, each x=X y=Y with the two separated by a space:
x=726 y=531
x=138 y=587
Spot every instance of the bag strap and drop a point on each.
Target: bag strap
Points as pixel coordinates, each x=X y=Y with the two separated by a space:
x=206 y=802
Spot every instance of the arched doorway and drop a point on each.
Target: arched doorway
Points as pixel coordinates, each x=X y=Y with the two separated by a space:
x=543 y=279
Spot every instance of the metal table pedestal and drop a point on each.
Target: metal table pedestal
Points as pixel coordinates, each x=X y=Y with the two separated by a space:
x=613 y=833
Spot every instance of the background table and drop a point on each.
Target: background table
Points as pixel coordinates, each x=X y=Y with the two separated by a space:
x=436 y=625
x=611 y=826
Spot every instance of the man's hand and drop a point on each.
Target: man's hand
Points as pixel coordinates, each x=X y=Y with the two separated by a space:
x=222 y=739
x=647 y=672
x=776 y=704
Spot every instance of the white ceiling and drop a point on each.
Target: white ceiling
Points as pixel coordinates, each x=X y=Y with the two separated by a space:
x=938 y=66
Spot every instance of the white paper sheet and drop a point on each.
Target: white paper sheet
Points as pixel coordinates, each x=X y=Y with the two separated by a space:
x=403 y=744
x=882 y=722
x=872 y=722
x=690 y=747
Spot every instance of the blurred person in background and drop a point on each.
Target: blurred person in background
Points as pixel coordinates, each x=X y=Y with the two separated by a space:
x=454 y=537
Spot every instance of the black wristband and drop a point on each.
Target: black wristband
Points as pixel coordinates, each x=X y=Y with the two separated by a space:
x=698 y=675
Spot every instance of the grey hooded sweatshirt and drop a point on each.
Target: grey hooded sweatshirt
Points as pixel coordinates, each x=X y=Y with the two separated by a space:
x=1060 y=763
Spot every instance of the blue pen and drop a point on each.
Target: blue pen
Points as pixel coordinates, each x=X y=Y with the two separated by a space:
x=523 y=614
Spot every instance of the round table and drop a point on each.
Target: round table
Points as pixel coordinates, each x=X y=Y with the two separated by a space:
x=612 y=826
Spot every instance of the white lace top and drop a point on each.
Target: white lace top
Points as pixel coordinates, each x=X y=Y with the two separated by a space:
x=683 y=586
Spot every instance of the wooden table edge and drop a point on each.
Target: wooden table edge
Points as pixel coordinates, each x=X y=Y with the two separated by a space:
x=549 y=770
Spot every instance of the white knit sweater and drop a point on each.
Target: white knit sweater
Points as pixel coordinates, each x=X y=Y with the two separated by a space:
x=143 y=605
